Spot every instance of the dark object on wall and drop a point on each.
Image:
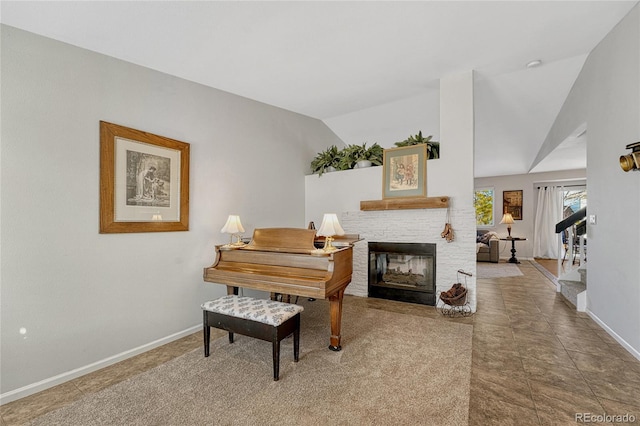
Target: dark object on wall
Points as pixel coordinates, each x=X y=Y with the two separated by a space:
x=631 y=161
x=512 y=203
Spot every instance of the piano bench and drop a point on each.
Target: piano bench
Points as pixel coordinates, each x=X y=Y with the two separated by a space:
x=262 y=319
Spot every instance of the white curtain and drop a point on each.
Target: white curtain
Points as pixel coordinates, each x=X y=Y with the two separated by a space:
x=548 y=213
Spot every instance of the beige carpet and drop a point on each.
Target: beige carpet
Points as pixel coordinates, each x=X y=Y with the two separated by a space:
x=497 y=270
x=394 y=369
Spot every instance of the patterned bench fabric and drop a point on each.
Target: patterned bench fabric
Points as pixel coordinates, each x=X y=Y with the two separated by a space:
x=265 y=311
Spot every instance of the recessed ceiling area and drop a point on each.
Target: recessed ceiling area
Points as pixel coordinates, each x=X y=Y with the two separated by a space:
x=330 y=60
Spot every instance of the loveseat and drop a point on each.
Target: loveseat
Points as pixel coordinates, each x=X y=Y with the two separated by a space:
x=487 y=246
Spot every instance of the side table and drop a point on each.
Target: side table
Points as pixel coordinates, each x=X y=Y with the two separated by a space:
x=513 y=240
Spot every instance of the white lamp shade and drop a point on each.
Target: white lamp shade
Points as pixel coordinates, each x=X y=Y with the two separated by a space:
x=507 y=218
x=233 y=225
x=330 y=226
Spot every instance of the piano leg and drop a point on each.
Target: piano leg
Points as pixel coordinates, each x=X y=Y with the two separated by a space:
x=335 y=304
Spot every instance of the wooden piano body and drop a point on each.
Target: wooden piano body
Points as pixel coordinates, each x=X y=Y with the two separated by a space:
x=285 y=261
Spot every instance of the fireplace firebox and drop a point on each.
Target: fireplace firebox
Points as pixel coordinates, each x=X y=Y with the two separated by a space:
x=403 y=271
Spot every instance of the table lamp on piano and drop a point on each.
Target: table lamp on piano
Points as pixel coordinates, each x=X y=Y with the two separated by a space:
x=235 y=228
x=329 y=227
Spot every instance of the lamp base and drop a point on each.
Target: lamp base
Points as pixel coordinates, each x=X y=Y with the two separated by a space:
x=234 y=245
x=327 y=249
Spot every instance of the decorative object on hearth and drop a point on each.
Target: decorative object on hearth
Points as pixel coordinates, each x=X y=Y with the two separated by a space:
x=234 y=228
x=455 y=296
x=508 y=219
x=453 y=302
x=329 y=227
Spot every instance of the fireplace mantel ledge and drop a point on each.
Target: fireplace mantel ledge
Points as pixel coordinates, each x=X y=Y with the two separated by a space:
x=406 y=203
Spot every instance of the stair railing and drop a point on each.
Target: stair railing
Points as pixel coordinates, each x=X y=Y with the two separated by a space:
x=567 y=224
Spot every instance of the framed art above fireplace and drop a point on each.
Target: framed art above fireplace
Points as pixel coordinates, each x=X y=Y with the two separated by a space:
x=405 y=172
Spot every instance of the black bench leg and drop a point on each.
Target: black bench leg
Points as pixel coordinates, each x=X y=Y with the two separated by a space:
x=207 y=334
x=276 y=359
x=296 y=339
x=230 y=337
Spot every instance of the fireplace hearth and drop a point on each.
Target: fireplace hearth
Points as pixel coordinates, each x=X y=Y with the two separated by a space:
x=403 y=271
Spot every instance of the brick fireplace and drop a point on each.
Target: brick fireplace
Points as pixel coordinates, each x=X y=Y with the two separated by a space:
x=403 y=271
x=415 y=226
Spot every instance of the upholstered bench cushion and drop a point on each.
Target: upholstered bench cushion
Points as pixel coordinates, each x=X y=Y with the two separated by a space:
x=265 y=311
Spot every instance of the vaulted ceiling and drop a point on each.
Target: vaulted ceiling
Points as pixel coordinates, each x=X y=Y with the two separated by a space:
x=329 y=59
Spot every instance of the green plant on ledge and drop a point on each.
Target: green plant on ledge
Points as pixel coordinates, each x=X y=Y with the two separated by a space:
x=375 y=154
x=433 y=147
x=327 y=160
x=353 y=154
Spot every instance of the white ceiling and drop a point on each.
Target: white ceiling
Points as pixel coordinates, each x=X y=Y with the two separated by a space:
x=328 y=59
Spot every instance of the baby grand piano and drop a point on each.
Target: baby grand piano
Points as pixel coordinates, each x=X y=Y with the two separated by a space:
x=284 y=260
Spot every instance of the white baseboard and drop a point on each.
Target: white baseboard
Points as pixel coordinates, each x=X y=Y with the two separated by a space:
x=70 y=375
x=613 y=334
x=581 y=305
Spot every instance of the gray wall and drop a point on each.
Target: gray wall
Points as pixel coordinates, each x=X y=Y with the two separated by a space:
x=606 y=96
x=613 y=121
x=84 y=297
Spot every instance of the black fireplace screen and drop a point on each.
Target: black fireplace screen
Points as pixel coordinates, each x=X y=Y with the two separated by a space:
x=403 y=271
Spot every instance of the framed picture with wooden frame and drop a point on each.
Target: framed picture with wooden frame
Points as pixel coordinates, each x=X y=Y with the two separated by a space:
x=405 y=172
x=512 y=203
x=144 y=181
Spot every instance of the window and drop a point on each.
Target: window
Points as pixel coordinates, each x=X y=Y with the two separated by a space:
x=483 y=200
x=574 y=200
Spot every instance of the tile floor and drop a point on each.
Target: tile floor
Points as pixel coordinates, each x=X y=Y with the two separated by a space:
x=551 y=266
x=535 y=360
